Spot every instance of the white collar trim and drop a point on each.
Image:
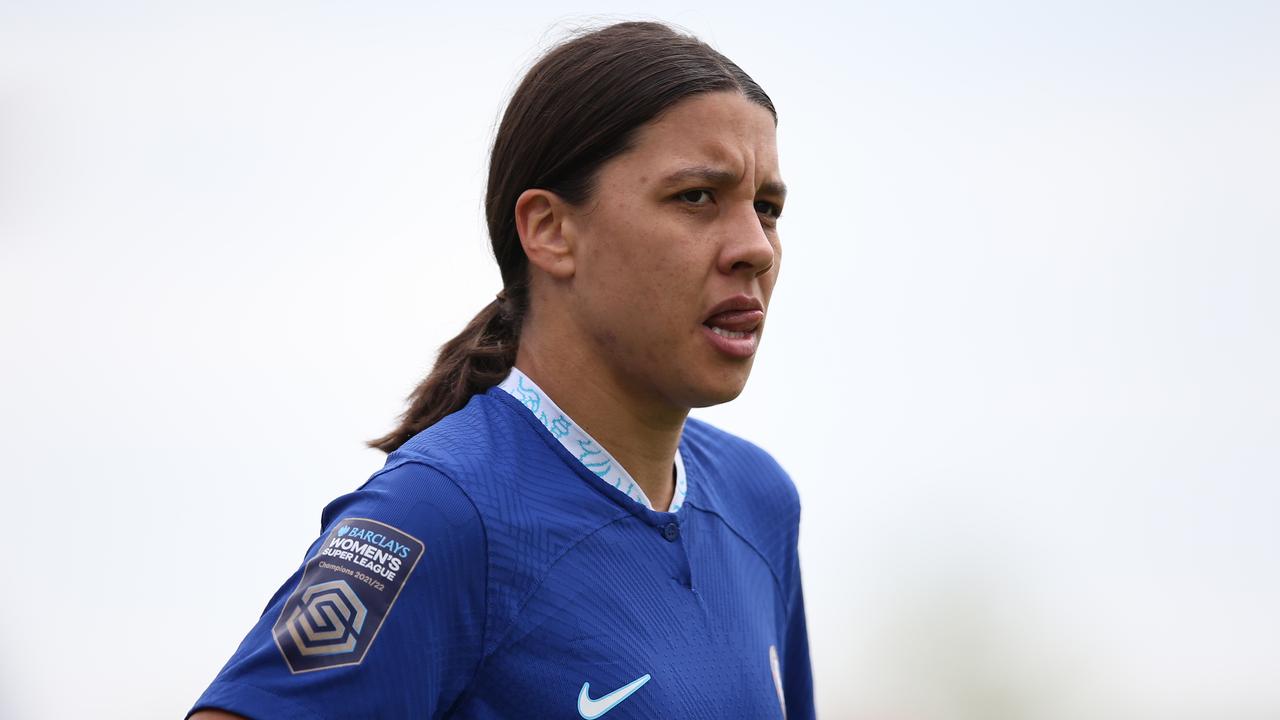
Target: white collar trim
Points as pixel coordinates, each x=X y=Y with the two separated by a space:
x=581 y=445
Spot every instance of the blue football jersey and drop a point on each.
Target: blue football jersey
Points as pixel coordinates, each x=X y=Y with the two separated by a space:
x=485 y=572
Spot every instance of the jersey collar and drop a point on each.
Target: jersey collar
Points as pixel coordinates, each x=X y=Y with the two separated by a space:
x=582 y=446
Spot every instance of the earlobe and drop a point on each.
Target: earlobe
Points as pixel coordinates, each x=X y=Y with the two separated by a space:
x=542 y=221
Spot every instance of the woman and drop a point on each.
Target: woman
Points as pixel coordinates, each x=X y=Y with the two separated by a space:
x=602 y=553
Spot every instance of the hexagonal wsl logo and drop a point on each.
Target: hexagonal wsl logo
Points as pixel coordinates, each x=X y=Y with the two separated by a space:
x=328 y=620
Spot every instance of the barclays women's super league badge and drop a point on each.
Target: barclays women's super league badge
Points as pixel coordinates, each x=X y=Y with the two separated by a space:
x=345 y=593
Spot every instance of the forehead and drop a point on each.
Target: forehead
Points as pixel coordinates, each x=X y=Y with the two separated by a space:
x=722 y=129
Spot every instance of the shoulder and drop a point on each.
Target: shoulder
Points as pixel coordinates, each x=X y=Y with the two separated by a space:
x=412 y=494
x=410 y=503
x=741 y=472
x=743 y=485
x=467 y=439
x=392 y=592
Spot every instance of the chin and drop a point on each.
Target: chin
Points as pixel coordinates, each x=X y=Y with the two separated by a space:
x=726 y=388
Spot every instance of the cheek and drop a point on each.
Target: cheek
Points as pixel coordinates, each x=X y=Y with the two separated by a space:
x=615 y=287
x=641 y=266
x=643 y=282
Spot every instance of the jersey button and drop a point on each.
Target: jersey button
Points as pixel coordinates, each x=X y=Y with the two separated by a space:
x=671 y=531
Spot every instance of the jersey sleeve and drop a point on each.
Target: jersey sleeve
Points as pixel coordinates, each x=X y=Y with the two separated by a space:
x=385 y=617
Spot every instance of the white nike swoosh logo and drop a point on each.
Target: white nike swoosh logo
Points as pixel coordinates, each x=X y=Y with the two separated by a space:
x=591 y=709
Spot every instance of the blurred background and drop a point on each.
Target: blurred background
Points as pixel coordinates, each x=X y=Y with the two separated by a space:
x=1021 y=362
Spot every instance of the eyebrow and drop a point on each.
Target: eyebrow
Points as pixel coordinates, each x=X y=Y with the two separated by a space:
x=720 y=176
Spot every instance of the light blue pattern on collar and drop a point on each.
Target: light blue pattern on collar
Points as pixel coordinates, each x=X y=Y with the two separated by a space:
x=583 y=446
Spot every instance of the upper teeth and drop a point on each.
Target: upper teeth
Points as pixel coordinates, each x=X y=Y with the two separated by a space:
x=727 y=333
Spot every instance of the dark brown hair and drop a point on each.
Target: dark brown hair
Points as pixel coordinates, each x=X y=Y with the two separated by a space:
x=579 y=106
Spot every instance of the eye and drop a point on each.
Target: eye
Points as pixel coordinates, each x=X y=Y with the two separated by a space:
x=692 y=196
x=768 y=209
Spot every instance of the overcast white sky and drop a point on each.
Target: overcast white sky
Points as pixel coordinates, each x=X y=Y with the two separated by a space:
x=1021 y=361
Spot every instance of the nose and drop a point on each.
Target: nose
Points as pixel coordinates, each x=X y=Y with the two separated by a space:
x=747 y=248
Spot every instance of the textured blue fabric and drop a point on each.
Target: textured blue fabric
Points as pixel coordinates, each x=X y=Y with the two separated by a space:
x=539 y=577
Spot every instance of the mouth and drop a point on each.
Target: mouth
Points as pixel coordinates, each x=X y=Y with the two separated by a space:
x=733 y=326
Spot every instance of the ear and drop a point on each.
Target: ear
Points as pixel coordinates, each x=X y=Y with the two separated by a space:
x=540 y=222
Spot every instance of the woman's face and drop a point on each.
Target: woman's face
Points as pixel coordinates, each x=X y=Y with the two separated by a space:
x=677 y=252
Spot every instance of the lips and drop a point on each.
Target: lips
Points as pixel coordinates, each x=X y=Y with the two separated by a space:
x=732 y=326
x=736 y=320
x=740 y=313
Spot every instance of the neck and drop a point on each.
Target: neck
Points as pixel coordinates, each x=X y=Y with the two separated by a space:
x=637 y=429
